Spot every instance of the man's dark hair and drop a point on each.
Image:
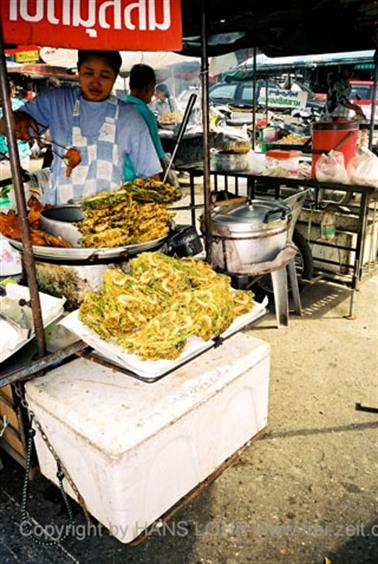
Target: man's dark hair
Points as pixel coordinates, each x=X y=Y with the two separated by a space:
x=113 y=58
x=141 y=76
x=164 y=89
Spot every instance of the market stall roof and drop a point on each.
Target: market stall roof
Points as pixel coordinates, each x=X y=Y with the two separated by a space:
x=37 y=70
x=264 y=64
x=281 y=28
x=156 y=59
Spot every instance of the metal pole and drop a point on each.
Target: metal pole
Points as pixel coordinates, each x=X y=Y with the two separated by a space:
x=28 y=259
x=373 y=101
x=266 y=98
x=254 y=100
x=205 y=126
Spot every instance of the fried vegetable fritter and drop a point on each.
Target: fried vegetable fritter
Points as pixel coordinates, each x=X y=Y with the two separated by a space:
x=152 y=310
x=115 y=219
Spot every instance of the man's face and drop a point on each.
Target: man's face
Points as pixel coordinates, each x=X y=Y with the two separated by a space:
x=96 y=79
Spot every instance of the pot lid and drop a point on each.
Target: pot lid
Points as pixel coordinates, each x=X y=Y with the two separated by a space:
x=252 y=215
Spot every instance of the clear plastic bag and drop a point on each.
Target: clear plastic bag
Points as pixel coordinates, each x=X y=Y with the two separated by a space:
x=232 y=140
x=363 y=168
x=331 y=168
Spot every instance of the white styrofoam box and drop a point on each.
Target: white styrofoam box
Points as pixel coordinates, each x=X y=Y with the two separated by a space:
x=135 y=449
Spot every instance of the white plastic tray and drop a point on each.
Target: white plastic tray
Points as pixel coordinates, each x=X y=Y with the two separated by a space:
x=52 y=309
x=154 y=368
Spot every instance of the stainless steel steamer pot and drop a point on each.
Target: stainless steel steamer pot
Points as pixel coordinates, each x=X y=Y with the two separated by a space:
x=248 y=234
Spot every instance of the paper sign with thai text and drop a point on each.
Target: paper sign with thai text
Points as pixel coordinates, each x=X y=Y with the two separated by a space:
x=283 y=99
x=137 y=25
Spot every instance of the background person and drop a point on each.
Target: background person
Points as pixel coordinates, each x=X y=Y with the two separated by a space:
x=23 y=146
x=338 y=104
x=104 y=129
x=142 y=86
x=164 y=102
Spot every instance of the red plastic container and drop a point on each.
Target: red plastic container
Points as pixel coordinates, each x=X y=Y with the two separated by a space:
x=327 y=134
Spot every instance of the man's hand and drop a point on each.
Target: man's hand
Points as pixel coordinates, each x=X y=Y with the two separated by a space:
x=359 y=111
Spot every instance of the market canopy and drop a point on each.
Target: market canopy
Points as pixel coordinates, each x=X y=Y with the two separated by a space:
x=281 y=28
x=278 y=28
x=156 y=59
x=265 y=65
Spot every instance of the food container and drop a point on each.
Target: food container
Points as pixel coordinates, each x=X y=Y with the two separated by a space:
x=248 y=234
x=269 y=134
x=288 y=160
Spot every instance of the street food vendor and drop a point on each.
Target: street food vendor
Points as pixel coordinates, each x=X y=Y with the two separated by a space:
x=338 y=104
x=103 y=130
x=164 y=102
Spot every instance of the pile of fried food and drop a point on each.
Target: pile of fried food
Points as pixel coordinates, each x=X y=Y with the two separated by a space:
x=135 y=213
x=293 y=140
x=10 y=226
x=152 y=310
x=170 y=117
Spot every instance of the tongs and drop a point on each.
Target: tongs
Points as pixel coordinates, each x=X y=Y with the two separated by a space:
x=65 y=157
x=45 y=141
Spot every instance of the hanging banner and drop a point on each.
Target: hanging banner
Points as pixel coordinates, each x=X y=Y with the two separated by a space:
x=135 y=25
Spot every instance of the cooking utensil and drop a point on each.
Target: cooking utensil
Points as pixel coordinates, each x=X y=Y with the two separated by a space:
x=180 y=133
x=248 y=234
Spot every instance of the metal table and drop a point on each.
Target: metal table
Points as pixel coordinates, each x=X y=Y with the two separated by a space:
x=268 y=185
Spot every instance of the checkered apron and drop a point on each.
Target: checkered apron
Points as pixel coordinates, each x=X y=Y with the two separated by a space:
x=99 y=170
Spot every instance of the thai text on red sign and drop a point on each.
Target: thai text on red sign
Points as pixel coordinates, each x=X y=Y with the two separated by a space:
x=140 y=25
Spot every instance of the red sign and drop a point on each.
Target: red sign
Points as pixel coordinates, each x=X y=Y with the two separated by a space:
x=135 y=25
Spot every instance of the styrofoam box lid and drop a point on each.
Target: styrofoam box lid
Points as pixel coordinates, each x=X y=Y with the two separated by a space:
x=115 y=412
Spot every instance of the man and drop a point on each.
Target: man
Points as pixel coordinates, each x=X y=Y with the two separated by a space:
x=142 y=86
x=338 y=104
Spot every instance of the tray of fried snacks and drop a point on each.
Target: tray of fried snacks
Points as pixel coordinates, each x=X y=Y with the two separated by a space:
x=163 y=312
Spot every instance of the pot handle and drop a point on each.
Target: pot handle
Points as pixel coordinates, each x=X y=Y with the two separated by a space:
x=280 y=210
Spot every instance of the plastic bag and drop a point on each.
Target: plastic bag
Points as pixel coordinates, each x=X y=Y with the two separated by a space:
x=331 y=168
x=363 y=168
x=232 y=140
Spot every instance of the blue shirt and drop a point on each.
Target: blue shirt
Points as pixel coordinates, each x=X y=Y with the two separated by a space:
x=53 y=109
x=150 y=120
